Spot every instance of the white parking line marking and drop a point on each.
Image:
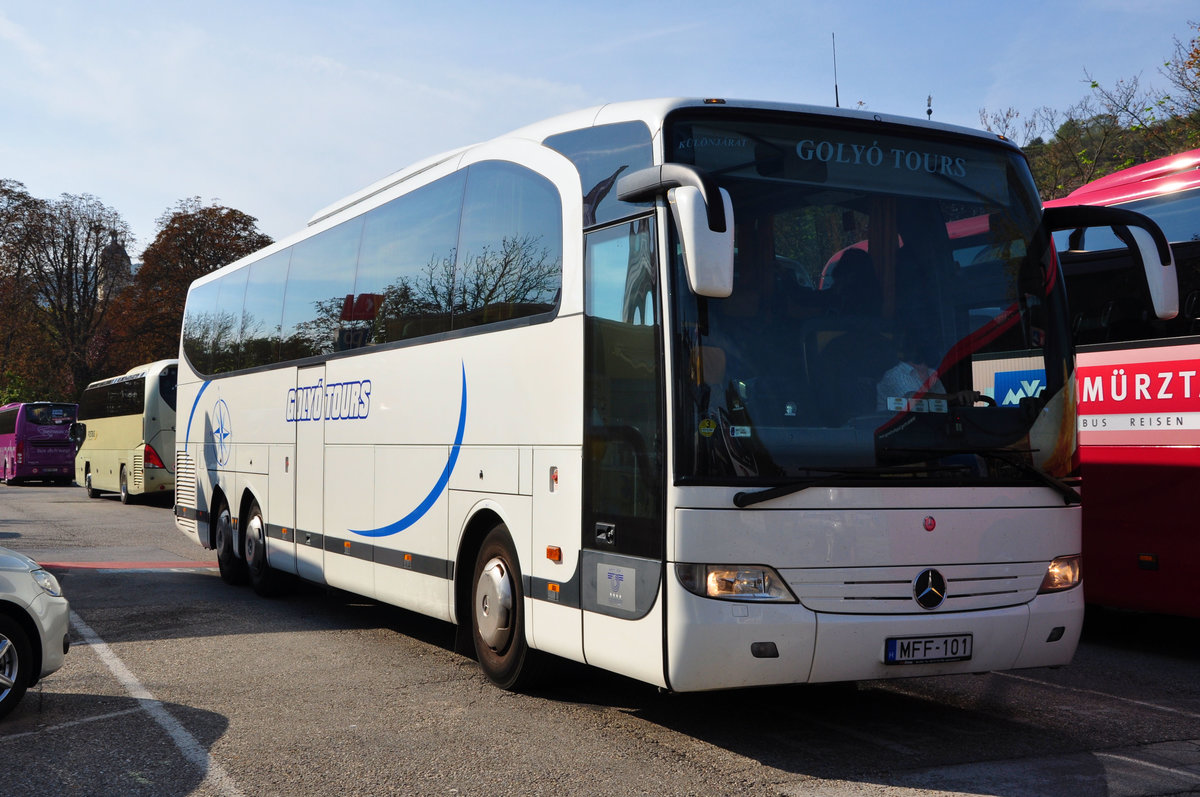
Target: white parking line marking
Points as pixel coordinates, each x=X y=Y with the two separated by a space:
x=215 y=775
x=1188 y=775
x=1106 y=695
x=64 y=725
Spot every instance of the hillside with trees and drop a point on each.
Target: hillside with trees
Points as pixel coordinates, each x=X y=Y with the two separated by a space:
x=1113 y=128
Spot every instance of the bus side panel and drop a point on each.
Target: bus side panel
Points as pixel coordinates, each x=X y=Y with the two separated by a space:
x=1140 y=551
x=349 y=504
x=610 y=643
x=107 y=449
x=280 y=515
x=555 y=621
x=309 y=467
x=411 y=549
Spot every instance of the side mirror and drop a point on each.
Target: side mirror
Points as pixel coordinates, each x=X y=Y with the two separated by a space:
x=707 y=255
x=77 y=434
x=1144 y=238
x=703 y=214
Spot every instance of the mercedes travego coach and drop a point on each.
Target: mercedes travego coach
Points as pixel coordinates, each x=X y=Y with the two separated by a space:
x=574 y=390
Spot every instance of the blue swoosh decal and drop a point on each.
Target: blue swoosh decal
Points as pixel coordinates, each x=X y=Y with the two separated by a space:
x=187 y=435
x=438 y=488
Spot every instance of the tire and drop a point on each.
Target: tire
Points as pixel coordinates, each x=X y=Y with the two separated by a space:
x=87 y=482
x=233 y=569
x=16 y=657
x=125 y=497
x=497 y=615
x=265 y=580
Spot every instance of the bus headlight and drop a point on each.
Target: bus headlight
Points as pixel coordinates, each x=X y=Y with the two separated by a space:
x=756 y=583
x=1064 y=572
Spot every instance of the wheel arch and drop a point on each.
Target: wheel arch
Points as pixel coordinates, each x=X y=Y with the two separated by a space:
x=248 y=497
x=18 y=614
x=218 y=496
x=483 y=520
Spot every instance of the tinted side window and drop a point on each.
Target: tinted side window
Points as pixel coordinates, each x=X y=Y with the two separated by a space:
x=263 y=310
x=406 y=247
x=319 y=280
x=167 y=384
x=229 y=321
x=126 y=397
x=200 y=321
x=509 y=262
x=601 y=155
x=8 y=421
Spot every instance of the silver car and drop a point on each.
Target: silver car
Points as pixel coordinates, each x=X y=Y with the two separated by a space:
x=34 y=626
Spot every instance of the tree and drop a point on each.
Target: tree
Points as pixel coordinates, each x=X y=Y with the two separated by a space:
x=193 y=239
x=55 y=250
x=1117 y=127
x=18 y=331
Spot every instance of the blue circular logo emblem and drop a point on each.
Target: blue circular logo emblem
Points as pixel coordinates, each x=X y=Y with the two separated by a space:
x=222 y=431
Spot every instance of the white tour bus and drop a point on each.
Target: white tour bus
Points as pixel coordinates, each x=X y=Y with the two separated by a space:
x=593 y=389
x=126 y=433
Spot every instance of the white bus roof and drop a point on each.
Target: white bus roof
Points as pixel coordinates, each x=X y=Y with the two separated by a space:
x=651 y=112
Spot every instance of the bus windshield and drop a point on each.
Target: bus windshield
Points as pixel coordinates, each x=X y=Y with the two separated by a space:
x=876 y=275
x=50 y=414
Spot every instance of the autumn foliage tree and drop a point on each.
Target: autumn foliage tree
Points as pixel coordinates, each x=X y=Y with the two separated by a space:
x=192 y=240
x=55 y=289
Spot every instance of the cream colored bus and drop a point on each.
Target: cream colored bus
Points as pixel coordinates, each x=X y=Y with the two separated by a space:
x=124 y=424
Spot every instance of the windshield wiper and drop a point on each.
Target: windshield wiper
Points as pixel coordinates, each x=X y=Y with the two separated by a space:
x=744 y=499
x=1068 y=493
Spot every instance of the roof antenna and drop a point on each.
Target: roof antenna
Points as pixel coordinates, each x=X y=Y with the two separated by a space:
x=836 y=102
x=929 y=108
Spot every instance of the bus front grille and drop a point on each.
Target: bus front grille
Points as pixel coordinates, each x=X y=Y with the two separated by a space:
x=890 y=590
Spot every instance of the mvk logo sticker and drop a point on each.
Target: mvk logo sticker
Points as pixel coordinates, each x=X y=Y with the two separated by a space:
x=1012 y=386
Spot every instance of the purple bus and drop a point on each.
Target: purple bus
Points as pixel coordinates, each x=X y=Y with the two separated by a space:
x=35 y=442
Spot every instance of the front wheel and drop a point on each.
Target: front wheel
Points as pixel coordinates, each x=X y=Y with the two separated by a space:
x=497 y=614
x=233 y=569
x=16 y=656
x=91 y=492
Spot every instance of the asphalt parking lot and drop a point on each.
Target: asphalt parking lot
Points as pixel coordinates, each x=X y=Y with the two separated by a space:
x=179 y=684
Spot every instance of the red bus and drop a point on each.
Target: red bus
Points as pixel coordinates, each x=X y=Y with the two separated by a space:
x=1138 y=379
x=35 y=442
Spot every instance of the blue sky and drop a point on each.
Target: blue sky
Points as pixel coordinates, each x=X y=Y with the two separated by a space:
x=280 y=108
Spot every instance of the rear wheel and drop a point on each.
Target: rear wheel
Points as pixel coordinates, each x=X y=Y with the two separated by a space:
x=125 y=498
x=16 y=656
x=497 y=614
x=233 y=569
x=265 y=580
